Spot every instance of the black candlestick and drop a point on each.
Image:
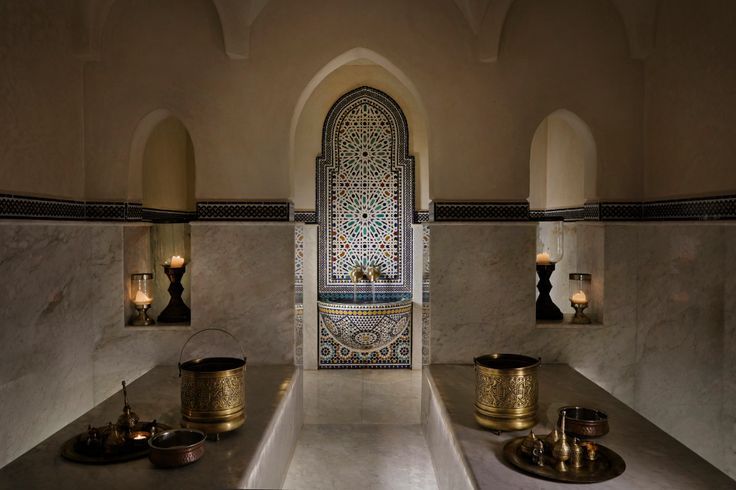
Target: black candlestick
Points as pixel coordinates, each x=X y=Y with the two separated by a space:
x=546 y=308
x=176 y=311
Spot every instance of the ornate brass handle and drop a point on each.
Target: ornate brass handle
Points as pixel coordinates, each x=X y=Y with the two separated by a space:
x=205 y=330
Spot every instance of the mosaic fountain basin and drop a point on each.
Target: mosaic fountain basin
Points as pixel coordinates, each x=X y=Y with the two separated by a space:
x=365 y=327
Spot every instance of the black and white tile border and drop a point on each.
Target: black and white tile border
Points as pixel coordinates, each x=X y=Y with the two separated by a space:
x=478 y=211
x=245 y=211
x=24 y=207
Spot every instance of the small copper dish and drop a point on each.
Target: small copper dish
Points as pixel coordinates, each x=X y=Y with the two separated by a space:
x=176 y=447
x=584 y=422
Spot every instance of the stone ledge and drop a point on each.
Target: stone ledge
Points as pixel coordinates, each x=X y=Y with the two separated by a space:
x=256 y=455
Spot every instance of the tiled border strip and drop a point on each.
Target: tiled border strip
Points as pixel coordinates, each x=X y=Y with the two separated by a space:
x=707 y=208
x=478 y=211
x=245 y=210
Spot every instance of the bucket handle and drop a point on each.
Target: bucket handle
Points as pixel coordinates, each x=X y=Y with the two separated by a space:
x=181 y=352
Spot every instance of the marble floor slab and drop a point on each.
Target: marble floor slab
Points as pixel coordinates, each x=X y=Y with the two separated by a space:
x=361 y=432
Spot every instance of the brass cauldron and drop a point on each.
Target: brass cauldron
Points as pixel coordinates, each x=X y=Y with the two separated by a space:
x=506 y=391
x=212 y=391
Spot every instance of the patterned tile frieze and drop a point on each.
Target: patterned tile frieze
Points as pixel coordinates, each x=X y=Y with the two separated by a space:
x=309 y=217
x=421 y=216
x=365 y=188
x=704 y=208
x=568 y=214
x=245 y=210
x=39 y=208
x=478 y=211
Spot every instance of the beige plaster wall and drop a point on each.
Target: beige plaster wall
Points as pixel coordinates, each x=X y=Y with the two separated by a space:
x=481 y=117
x=308 y=134
x=690 y=129
x=41 y=143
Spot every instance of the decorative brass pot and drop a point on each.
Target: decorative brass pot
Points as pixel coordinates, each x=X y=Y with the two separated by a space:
x=506 y=391
x=212 y=391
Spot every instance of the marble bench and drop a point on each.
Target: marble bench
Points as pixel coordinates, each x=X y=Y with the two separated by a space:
x=466 y=456
x=255 y=456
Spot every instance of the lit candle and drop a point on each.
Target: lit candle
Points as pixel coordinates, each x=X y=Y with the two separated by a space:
x=579 y=298
x=543 y=259
x=142 y=298
x=176 y=262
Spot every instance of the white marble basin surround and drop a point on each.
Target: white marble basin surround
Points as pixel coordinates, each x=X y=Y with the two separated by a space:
x=467 y=456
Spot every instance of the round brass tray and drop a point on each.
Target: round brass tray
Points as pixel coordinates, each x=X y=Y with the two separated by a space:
x=69 y=452
x=607 y=465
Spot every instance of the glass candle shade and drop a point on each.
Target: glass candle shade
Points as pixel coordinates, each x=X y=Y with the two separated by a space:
x=550 y=244
x=579 y=288
x=141 y=288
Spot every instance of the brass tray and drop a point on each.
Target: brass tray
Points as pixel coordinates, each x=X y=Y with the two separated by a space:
x=130 y=453
x=607 y=465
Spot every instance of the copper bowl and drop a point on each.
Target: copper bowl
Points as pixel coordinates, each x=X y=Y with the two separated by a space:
x=176 y=447
x=584 y=422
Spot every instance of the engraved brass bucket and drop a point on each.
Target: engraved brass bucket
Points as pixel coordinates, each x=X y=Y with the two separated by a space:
x=212 y=391
x=506 y=391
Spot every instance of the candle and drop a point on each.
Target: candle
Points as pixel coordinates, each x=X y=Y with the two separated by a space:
x=543 y=259
x=579 y=298
x=142 y=298
x=176 y=262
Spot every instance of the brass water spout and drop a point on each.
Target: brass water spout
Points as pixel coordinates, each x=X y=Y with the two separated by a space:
x=374 y=272
x=357 y=274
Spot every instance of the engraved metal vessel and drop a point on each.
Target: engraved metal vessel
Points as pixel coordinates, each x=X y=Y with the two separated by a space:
x=506 y=391
x=212 y=391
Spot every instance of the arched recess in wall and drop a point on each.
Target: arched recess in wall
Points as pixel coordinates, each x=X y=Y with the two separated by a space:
x=352 y=69
x=161 y=173
x=562 y=163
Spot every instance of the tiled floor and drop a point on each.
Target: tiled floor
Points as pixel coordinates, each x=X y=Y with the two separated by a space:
x=361 y=432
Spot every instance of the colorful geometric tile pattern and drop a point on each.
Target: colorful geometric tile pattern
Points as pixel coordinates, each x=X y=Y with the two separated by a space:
x=426 y=323
x=365 y=335
x=365 y=182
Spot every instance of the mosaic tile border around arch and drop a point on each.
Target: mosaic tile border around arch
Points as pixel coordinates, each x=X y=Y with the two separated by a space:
x=369 y=121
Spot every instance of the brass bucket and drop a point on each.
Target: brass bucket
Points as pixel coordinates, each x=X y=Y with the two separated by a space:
x=212 y=391
x=506 y=391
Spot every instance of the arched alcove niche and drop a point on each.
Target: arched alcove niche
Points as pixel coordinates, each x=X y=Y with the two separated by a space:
x=161 y=175
x=355 y=68
x=563 y=176
x=562 y=163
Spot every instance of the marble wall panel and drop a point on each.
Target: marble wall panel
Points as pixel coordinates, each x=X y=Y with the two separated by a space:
x=482 y=289
x=728 y=432
x=243 y=281
x=681 y=331
x=47 y=336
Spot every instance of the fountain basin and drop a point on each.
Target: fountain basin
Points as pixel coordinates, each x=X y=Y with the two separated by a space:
x=365 y=327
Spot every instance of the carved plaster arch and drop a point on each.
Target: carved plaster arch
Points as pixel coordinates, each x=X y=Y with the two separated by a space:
x=486 y=18
x=88 y=19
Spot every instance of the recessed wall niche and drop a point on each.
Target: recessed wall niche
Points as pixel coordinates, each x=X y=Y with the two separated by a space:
x=562 y=177
x=162 y=154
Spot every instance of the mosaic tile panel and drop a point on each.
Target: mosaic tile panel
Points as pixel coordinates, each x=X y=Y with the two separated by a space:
x=298 y=263
x=365 y=185
x=426 y=323
x=299 y=334
x=365 y=336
